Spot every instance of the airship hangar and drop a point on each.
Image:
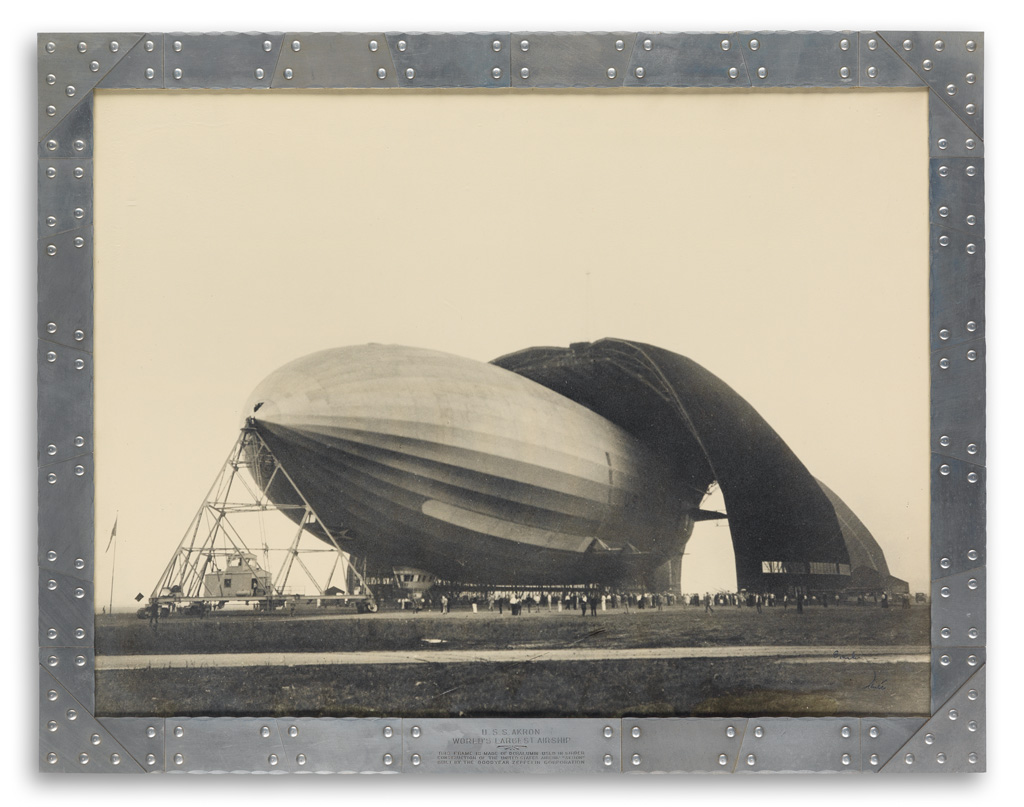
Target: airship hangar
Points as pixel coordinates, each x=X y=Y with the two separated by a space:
x=547 y=467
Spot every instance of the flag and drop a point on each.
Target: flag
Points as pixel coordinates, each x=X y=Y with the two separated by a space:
x=113 y=534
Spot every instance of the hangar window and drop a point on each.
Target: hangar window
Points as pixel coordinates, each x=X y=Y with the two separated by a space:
x=844 y=568
x=824 y=568
x=782 y=567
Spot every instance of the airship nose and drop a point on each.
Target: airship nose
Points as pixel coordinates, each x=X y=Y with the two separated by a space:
x=289 y=394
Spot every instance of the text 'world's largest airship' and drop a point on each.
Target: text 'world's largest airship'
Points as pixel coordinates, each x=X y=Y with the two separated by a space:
x=546 y=467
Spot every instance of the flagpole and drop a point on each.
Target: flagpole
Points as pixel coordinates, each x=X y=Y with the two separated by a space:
x=113 y=566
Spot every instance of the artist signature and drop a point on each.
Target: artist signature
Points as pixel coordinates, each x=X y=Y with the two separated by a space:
x=875 y=683
x=846 y=657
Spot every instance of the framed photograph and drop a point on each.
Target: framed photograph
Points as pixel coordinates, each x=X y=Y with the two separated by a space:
x=511 y=402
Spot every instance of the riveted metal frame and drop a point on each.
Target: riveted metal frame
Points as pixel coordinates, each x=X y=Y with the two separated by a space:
x=949 y=64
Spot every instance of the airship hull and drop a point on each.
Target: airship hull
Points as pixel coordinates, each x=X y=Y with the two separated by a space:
x=467 y=471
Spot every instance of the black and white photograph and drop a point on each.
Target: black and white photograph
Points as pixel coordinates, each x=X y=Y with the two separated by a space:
x=476 y=403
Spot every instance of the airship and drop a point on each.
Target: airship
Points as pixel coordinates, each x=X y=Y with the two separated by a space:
x=546 y=467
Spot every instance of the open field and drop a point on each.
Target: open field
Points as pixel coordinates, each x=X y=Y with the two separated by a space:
x=832 y=677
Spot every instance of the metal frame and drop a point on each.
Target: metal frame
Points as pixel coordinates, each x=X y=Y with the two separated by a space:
x=949 y=64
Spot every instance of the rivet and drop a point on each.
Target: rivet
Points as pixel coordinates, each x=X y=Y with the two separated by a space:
x=114 y=46
x=940 y=758
x=51 y=633
x=150 y=72
x=51 y=585
x=758 y=732
x=927 y=64
x=177 y=73
x=845 y=731
x=909 y=759
x=873 y=759
x=288 y=73
x=70 y=90
x=972 y=219
x=972 y=758
x=293 y=731
x=944 y=660
x=944 y=334
x=971 y=45
x=635 y=759
x=972 y=326
x=754 y=44
x=951 y=89
x=79 y=145
x=272 y=759
x=296 y=45
x=953 y=714
x=94 y=66
x=373 y=45
x=259 y=73
x=751 y=759
x=972 y=477
x=723 y=759
x=149 y=45
x=607 y=759
x=945 y=563
x=972 y=584
x=51 y=758
x=72 y=714
x=971 y=78
x=51 y=555
x=939 y=45
x=51 y=110
x=844 y=44
x=416 y=731
x=730 y=732
x=53 y=661
x=79 y=633
x=50 y=47
x=972 y=661
x=845 y=759
x=943 y=211
x=524 y=45
x=872 y=72
x=388 y=759
x=726 y=44
x=79 y=470
x=51 y=172
x=639 y=72
x=150 y=732
x=496 y=72
x=972 y=554
x=151 y=759
x=944 y=240
x=972 y=726
x=179 y=759
x=388 y=731
x=762 y=72
x=301 y=759
x=733 y=72
x=873 y=732
x=402 y=45
x=416 y=759
x=410 y=73
x=608 y=731
x=944 y=363
x=972 y=355
x=79 y=563
x=79 y=661
x=179 y=731
x=51 y=478
x=648 y=44
x=264 y=731
x=177 y=46
x=382 y=73
x=969 y=142
x=612 y=72
x=844 y=72
x=872 y=44
x=619 y=44
x=83 y=758
x=929 y=738
x=943 y=170
x=79 y=213
x=635 y=732
x=115 y=759
x=79 y=593
x=51 y=145
x=907 y=44
x=496 y=45
x=82 y=47
x=95 y=739
x=51 y=221
x=79 y=441
x=52 y=725
x=945 y=591
x=79 y=364
x=970 y=109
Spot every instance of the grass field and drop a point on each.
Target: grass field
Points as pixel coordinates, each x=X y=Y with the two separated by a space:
x=653 y=687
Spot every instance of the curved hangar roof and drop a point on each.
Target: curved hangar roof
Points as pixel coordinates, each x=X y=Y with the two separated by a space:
x=780 y=517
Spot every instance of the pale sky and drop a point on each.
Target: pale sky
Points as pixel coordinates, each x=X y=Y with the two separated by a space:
x=779 y=238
